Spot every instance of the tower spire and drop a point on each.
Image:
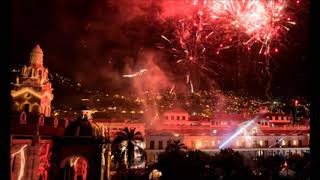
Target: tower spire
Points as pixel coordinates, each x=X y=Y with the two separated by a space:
x=36 y=56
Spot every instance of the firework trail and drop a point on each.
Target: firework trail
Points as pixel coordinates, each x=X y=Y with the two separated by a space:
x=139 y=73
x=172 y=88
x=188 y=43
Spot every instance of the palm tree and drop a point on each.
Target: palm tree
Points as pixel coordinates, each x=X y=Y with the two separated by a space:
x=175 y=146
x=123 y=145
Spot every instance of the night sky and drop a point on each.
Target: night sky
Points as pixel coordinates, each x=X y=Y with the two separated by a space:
x=93 y=41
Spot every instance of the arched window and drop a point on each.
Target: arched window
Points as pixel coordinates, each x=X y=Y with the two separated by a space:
x=40 y=74
x=75 y=168
x=41 y=120
x=26 y=108
x=23 y=118
x=55 y=122
x=254 y=131
x=13 y=163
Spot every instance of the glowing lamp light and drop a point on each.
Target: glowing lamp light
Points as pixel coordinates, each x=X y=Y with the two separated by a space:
x=294 y=142
x=260 y=142
x=198 y=145
x=283 y=142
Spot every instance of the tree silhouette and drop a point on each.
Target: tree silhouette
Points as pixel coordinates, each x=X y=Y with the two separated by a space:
x=123 y=146
x=175 y=146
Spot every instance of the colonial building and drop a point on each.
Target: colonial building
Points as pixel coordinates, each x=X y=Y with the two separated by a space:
x=45 y=147
x=264 y=134
x=32 y=90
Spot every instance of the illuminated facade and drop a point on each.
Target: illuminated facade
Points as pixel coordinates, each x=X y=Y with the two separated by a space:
x=52 y=148
x=264 y=134
x=32 y=90
x=47 y=147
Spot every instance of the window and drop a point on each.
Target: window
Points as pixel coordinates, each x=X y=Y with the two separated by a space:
x=23 y=118
x=167 y=118
x=160 y=145
x=178 y=117
x=289 y=143
x=183 y=118
x=259 y=153
x=41 y=120
x=254 y=131
x=13 y=163
x=300 y=143
x=26 y=107
x=55 y=122
x=294 y=142
x=151 y=144
x=172 y=117
x=193 y=144
x=266 y=143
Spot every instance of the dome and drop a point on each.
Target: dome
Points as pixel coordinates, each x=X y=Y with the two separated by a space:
x=37 y=50
x=83 y=127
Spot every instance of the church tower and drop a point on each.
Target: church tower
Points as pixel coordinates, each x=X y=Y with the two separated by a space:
x=32 y=90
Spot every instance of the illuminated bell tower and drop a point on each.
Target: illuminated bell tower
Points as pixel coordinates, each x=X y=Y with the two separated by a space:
x=32 y=90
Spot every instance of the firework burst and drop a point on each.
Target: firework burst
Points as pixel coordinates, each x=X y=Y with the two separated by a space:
x=261 y=22
x=259 y=27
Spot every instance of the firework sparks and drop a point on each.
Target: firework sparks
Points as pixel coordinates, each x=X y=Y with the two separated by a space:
x=263 y=22
x=216 y=25
x=188 y=44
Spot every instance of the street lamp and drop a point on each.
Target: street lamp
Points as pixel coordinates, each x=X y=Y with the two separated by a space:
x=295 y=109
x=155 y=174
x=286 y=167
